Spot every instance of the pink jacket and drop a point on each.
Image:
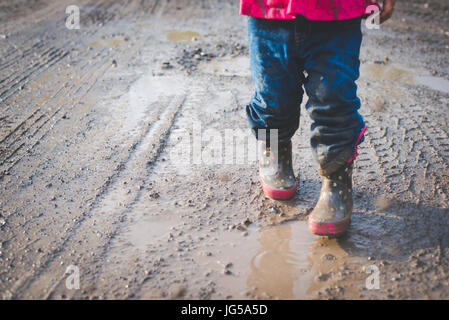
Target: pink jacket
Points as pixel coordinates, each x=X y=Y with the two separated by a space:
x=311 y=9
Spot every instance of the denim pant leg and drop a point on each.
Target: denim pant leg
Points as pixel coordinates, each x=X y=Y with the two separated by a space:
x=276 y=76
x=332 y=65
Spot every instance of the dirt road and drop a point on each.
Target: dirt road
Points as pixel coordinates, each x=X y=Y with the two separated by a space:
x=92 y=175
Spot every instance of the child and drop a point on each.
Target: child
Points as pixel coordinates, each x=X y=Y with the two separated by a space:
x=288 y=38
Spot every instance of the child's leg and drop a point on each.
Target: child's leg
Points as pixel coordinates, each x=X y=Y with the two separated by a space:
x=275 y=70
x=332 y=65
x=277 y=75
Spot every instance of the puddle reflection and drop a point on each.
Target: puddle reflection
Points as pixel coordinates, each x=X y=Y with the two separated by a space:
x=280 y=268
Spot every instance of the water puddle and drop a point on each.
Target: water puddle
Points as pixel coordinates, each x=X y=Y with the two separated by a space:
x=272 y=262
x=283 y=262
x=280 y=267
x=147 y=231
x=182 y=36
x=106 y=43
x=434 y=83
x=396 y=73
x=228 y=67
x=145 y=97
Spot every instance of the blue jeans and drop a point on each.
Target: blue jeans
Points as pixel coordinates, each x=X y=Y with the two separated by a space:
x=281 y=52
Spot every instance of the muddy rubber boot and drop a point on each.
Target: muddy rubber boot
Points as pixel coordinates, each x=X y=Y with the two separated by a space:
x=277 y=177
x=332 y=213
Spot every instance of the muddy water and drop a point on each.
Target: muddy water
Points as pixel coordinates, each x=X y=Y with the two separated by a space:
x=146 y=230
x=228 y=67
x=283 y=262
x=146 y=95
x=403 y=75
x=106 y=43
x=273 y=262
x=182 y=36
x=434 y=83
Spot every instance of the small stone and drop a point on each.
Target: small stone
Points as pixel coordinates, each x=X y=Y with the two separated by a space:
x=166 y=65
x=241 y=227
x=154 y=195
x=323 y=277
x=328 y=257
x=177 y=291
x=273 y=209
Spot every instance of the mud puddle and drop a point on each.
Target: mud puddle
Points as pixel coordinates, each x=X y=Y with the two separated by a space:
x=110 y=43
x=401 y=74
x=147 y=229
x=147 y=95
x=273 y=262
x=285 y=262
x=434 y=83
x=229 y=66
x=182 y=36
x=270 y=262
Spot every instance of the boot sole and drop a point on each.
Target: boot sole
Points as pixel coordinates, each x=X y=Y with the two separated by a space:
x=327 y=228
x=277 y=194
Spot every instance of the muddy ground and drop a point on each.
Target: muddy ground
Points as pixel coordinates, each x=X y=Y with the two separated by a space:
x=91 y=175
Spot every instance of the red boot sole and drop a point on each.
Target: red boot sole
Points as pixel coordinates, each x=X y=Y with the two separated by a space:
x=277 y=194
x=327 y=228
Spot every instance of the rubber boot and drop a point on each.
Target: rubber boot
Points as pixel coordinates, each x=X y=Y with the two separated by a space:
x=277 y=177
x=332 y=213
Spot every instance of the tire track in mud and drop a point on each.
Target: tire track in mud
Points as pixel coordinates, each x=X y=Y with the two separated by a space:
x=49 y=58
x=39 y=114
x=107 y=13
x=106 y=183
x=40 y=119
x=39 y=88
x=39 y=100
x=104 y=212
x=399 y=142
x=13 y=60
x=116 y=260
x=403 y=186
x=196 y=221
x=117 y=255
x=425 y=162
x=109 y=7
x=103 y=11
x=49 y=124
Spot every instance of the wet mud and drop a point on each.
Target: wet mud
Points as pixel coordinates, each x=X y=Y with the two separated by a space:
x=94 y=173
